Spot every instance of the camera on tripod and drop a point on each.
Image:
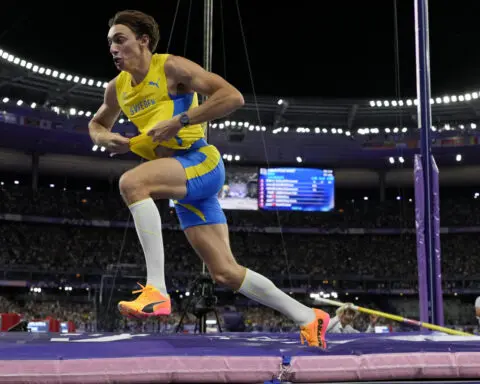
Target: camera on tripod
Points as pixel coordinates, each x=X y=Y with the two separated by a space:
x=202 y=301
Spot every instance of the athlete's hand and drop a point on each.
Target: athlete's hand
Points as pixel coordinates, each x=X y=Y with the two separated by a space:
x=117 y=144
x=165 y=130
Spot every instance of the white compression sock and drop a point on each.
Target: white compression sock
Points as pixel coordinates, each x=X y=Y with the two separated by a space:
x=149 y=230
x=261 y=289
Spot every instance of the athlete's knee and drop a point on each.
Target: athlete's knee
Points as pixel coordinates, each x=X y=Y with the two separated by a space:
x=131 y=187
x=229 y=274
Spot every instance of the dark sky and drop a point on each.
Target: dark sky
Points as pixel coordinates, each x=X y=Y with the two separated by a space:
x=314 y=48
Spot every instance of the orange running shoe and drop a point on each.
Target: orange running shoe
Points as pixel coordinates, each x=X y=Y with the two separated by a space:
x=151 y=302
x=314 y=333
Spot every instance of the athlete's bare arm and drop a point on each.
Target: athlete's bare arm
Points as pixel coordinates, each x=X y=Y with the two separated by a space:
x=101 y=124
x=185 y=76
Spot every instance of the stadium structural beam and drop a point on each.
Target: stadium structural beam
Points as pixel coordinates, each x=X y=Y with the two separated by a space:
x=351 y=115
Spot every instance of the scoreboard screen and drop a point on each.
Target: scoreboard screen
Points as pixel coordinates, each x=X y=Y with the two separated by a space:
x=296 y=189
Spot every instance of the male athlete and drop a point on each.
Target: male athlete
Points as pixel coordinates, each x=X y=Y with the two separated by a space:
x=158 y=93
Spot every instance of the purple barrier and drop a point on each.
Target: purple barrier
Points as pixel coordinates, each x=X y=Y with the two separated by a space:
x=437 y=248
x=420 y=227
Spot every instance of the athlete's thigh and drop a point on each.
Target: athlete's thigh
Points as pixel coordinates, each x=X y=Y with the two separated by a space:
x=163 y=178
x=211 y=242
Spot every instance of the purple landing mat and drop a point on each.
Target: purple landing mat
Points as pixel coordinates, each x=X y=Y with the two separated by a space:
x=234 y=357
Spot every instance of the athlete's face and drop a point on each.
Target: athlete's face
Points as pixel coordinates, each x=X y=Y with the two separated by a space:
x=125 y=47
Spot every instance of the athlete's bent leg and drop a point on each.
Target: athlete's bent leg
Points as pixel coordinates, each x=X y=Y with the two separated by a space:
x=158 y=179
x=162 y=178
x=211 y=242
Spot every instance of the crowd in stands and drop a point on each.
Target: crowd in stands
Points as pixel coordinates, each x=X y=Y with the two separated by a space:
x=349 y=213
x=76 y=249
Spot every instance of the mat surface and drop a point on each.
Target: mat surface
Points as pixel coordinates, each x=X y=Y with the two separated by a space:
x=234 y=357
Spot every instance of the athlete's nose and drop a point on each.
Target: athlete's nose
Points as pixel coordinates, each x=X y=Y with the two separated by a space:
x=113 y=49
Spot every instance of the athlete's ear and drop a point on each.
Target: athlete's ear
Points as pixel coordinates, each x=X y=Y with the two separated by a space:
x=144 y=40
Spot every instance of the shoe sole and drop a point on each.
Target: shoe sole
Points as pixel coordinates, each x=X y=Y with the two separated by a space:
x=130 y=313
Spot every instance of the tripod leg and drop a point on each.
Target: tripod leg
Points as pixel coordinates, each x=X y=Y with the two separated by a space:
x=184 y=314
x=180 y=323
x=203 y=323
x=218 y=320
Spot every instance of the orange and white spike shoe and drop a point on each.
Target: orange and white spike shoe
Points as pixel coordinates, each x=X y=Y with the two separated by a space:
x=151 y=302
x=314 y=333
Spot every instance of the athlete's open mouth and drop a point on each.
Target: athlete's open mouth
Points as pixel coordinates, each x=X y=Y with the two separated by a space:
x=117 y=60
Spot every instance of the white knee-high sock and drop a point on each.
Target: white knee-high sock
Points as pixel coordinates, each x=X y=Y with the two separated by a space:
x=149 y=230
x=261 y=289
